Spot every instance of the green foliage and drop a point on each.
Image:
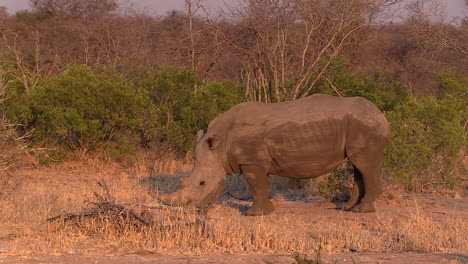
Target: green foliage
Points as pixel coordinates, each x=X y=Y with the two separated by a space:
x=97 y=108
x=181 y=105
x=381 y=89
x=16 y=105
x=428 y=135
x=208 y=102
x=169 y=89
x=451 y=82
x=85 y=108
x=205 y=104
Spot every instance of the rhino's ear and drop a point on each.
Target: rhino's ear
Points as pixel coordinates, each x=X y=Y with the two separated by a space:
x=213 y=141
x=200 y=134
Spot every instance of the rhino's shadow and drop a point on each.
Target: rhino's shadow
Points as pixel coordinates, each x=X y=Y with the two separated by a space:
x=163 y=183
x=242 y=208
x=237 y=192
x=462 y=258
x=243 y=205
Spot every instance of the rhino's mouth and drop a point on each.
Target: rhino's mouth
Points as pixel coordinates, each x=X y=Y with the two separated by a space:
x=200 y=198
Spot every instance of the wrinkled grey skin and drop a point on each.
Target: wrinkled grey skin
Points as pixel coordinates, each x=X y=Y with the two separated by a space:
x=300 y=139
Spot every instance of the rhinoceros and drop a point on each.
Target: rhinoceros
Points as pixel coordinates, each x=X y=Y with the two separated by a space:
x=299 y=139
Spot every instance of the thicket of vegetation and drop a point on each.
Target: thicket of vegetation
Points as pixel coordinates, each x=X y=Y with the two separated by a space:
x=90 y=77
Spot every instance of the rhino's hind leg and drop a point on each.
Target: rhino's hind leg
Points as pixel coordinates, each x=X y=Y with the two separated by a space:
x=257 y=178
x=367 y=163
x=372 y=188
x=357 y=192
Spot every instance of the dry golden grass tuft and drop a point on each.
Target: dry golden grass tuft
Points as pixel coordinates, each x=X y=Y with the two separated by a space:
x=34 y=195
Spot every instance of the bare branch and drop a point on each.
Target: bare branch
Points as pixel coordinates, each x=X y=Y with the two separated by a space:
x=286 y=46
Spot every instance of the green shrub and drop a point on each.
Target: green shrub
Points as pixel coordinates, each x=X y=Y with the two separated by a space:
x=169 y=89
x=453 y=83
x=181 y=105
x=16 y=105
x=85 y=108
x=208 y=102
x=428 y=136
x=96 y=108
x=205 y=104
x=380 y=88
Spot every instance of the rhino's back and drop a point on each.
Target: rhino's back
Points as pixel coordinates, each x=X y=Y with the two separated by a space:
x=309 y=109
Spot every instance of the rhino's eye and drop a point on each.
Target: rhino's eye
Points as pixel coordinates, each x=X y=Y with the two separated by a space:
x=202 y=183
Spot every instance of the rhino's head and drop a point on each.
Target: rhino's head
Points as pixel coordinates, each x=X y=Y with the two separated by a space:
x=206 y=182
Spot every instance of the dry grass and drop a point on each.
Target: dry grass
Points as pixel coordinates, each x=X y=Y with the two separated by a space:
x=33 y=195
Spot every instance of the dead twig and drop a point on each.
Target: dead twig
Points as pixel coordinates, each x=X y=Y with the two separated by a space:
x=123 y=210
x=104 y=186
x=72 y=215
x=158 y=205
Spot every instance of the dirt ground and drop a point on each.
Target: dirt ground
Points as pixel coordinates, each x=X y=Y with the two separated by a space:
x=375 y=258
x=301 y=214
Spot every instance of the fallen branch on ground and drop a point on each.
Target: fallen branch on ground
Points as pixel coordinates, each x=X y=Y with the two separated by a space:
x=72 y=215
x=105 y=205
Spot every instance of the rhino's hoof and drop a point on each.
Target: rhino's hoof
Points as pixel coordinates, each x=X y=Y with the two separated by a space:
x=258 y=211
x=364 y=208
x=349 y=207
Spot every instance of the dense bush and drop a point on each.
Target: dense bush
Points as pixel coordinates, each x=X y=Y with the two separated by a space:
x=429 y=136
x=208 y=102
x=204 y=105
x=182 y=106
x=97 y=108
x=84 y=109
x=452 y=83
x=169 y=90
x=380 y=88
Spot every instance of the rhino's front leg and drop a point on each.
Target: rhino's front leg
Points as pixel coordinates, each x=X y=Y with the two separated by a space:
x=257 y=178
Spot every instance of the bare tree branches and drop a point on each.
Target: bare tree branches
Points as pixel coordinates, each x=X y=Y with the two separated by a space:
x=81 y=8
x=11 y=144
x=280 y=49
x=28 y=71
x=288 y=45
x=432 y=27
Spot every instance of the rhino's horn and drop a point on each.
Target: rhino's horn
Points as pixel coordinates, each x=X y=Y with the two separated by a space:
x=174 y=199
